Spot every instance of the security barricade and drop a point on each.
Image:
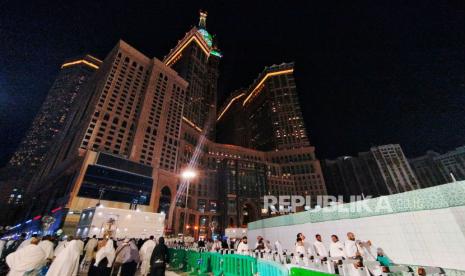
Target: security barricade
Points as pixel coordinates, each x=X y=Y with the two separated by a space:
x=239 y=265
x=216 y=264
x=297 y=271
x=177 y=259
x=270 y=268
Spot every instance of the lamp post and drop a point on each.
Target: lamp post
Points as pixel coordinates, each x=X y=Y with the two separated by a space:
x=101 y=192
x=186 y=175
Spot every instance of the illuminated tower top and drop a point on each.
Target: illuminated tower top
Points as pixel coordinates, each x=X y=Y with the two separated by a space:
x=203 y=20
x=196 y=59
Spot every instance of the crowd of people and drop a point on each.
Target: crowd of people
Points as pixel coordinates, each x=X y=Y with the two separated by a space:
x=318 y=251
x=304 y=251
x=50 y=256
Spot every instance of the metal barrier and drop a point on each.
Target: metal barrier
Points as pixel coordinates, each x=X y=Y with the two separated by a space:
x=216 y=264
x=177 y=259
x=239 y=265
x=296 y=271
x=270 y=268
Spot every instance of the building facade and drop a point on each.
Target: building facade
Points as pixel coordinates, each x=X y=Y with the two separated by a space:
x=196 y=59
x=270 y=110
x=129 y=131
x=429 y=170
x=381 y=171
x=146 y=121
x=395 y=168
x=452 y=164
x=348 y=176
x=52 y=121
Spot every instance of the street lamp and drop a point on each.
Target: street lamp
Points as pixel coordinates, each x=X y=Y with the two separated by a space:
x=187 y=175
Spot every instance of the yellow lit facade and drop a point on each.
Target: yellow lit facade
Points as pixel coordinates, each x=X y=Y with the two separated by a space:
x=229 y=105
x=257 y=88
x=174 y=56
x=191 y=124
x=81 y=61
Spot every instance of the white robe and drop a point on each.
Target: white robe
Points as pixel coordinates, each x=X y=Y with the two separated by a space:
x=66 y=262
x=336 y=249
x=80 y=246
x=365 y=251
x=351 y=248
x=2 y=246
x=60 y=247
x=90 y=247
x=320 y=249
x=47 y=246
x=278 y=247
x=25 y=259
x=24 y=243
x=108 y=251
x=299 y=250
x=145 y=253
x=216 y=246
x=242 y=248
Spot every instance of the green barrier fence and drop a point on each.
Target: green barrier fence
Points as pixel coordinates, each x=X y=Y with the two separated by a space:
x=216 y=264
x=177 y=259
x=203 y=263
x=295 y=271
x=238 y=265
x=270 y=268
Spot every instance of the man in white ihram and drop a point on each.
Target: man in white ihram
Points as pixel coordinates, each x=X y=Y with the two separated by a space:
x=243 y=247
x=307 y=248
x=26 y=259
x=48 y=247
x=336 y=248
x=145 y=253
x=351 y=247
x=319 y=247
x=89 y=253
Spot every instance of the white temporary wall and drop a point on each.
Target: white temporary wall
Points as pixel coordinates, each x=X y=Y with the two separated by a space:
x=429 y=237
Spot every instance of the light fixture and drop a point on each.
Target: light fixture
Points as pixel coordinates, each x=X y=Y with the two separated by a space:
x=188 y=174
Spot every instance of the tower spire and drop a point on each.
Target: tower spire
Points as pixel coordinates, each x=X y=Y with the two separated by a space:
x=203 y=20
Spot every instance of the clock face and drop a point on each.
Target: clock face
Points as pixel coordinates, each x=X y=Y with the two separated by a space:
x=207 y=37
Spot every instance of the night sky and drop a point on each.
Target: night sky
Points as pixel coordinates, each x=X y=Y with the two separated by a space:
x=367 y=73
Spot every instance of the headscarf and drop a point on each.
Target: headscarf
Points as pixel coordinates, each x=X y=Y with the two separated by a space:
x=160 y=252
x=25 y=259
x=108 y=251
x=67 y=261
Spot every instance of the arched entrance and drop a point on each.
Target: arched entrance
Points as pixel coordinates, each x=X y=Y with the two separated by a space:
x=165 y=201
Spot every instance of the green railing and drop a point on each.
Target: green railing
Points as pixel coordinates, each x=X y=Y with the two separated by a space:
x=177 y=259
x=239 y=265
x=295 y=271
x=216 y=264
x=270 y=268
x=203 y=263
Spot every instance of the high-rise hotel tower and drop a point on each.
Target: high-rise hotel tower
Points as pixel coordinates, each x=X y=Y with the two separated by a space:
x=148 y=120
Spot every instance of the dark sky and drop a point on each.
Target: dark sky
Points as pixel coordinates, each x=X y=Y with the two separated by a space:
x=367 y=73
